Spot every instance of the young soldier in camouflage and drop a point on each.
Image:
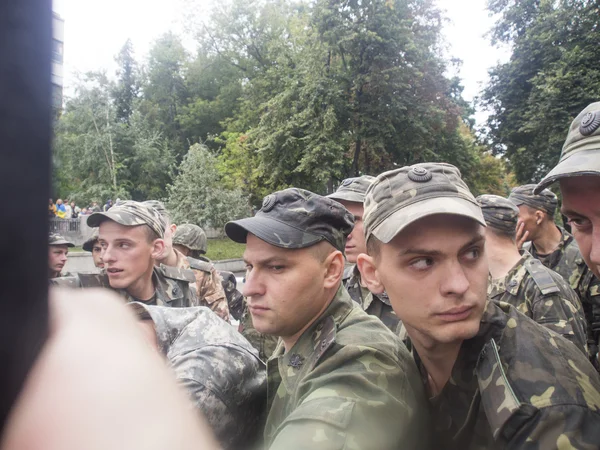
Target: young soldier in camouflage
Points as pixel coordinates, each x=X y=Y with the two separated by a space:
x=217 y=367
x=130 y=236
x=351 y=194
x=58 y=249
x=495 y=378
x=579 y=174
x=339 y=378
x=209 y=290
x=93 y=246
x=523 y=281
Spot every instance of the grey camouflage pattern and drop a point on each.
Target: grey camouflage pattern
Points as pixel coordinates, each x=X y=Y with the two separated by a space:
x=191 y=236
x=353 y=189
x=131 y=214
x=264 y=344
x=57 y=239
x=545 y=201
x=218 y=368
x=557 y=307
x=347 y=383
x=88 y=245
x=499 y=213
x=160 y=207
x=295 y=218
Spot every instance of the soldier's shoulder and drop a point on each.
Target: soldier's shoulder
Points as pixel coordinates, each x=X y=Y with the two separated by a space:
x=547 y=281
x=176 y=273
x=198 y=264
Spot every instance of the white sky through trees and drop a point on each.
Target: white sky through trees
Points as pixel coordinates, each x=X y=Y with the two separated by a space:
x=95 y=31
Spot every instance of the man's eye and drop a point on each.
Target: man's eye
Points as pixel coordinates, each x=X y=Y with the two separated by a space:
x=275 y=268
x=473 y=253
x=579 y=222
x=124 y=245
x=422 y=263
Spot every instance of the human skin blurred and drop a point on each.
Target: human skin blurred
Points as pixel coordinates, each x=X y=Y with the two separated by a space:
x=85 y=399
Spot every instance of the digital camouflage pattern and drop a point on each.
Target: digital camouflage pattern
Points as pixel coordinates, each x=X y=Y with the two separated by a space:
x=264 y=344
x=353 y=189
x=209 y=289
x=347 y=383
x=377 y=305
x=545 y=201
x=131 y=214
x=499 y=213
x=173 y=286
x=57 y=239
x=580 y=152
x=544 y=296
x=566 y=260
x=218 y=368
x=401 y=196
x=295 y=218
x=191 y=236
x=517 y=385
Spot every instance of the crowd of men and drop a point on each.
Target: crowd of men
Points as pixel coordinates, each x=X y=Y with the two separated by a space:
x=398 y=312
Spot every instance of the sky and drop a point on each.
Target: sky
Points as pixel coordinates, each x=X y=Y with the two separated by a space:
x=96 y=30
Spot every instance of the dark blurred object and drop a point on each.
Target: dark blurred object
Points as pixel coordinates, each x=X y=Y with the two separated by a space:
x=25 y=130
x=235 y=299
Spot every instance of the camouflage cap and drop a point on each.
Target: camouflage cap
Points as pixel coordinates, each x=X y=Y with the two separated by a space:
x=57 y=239
x=402 y=196
x=353 y=189
x=131 y=214
x=546 y=200
x=295 y=218
x=499 y=213
x=190 y=236
x=160 y=207
x=88 y=245
x=580 y=154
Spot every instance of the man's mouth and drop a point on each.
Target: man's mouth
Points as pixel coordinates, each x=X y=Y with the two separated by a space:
x=113 y=271
x=456 y=314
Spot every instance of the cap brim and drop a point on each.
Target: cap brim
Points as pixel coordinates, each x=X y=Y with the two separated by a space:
x=402 y=218
x=63 y=242
x=123 y=218
x=586 y=162
x=88 y=246
x=271 y=231
x=347 y=197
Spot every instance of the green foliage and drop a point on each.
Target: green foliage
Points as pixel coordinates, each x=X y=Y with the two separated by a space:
x=219 y=249
x=199 y=196
x=127 y=86
x=552 y=74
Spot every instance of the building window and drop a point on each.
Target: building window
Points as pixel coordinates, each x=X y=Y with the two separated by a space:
x=57 y=96
x=57 y=51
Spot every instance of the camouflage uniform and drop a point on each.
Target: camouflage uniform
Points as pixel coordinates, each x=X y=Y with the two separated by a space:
x=265 y=344
x=377 y=305
x=217 y=367
x=347 y=382
x=516 y=384
x=57 y=239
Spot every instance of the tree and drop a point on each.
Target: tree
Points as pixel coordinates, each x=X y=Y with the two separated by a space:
x=127 y=86
x=199 y=196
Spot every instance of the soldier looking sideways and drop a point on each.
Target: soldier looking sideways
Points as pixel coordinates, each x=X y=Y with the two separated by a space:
x=58 y=249
x=495 y=378
x=339 y=378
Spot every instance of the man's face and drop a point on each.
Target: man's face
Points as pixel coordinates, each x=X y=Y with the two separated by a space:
x=284 y=288
x=581 y=204
x=435 y=274
x=57 y=257
x=97 y=255
x=126 y=253
x=529 y=219
x=355 y=244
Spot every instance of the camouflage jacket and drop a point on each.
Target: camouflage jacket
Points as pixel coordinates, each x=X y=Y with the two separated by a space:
x=347 y=383
x=219 y=369
x=566 y=260
x=263 y=343
x=377 y=305
x=209 y=290
x=543 y=295
x=172 y=286
x=517 y=385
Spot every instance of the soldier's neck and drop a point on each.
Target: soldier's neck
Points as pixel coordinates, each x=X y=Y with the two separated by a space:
x=502 y=254
x=143 y=288
x=548 y=239
x=171 y=260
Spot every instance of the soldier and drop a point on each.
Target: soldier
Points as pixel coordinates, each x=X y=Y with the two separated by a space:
x=351 y=194
x=338 y=378
x=523 y=281
x=578 y=172
x=217 y=367
x=495 y=378
x=130 y=234
x=58 y=249
x=209 y=289
x=93 y=246
x=557 y=249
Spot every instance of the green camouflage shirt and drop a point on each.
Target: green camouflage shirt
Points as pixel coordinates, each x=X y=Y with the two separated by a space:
x=567 y=261
x=543 y=295
x=172 y=286
x=374 y=305
x=347 y=383
x=517 y=385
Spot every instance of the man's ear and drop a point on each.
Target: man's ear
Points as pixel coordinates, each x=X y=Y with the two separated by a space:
x=539 y=216
x=368 y=273
x=335 y=269
x=158 y=248
x=173 y=228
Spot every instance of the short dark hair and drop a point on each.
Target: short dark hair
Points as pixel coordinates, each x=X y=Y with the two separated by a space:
x=512 y=235
x=373 y=247
x=151 y=235
x=322 y=250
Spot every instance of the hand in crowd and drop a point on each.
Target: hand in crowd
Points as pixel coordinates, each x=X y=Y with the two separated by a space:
x=522 y=235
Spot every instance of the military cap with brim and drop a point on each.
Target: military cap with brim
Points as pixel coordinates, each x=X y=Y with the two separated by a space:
x=402 y=196
x=544 y=200
x=353 y=189
x=131 y=214
x=295 y=218
x=88 y=245
x=57 y=239
x=499 y=212
x=580 y=154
